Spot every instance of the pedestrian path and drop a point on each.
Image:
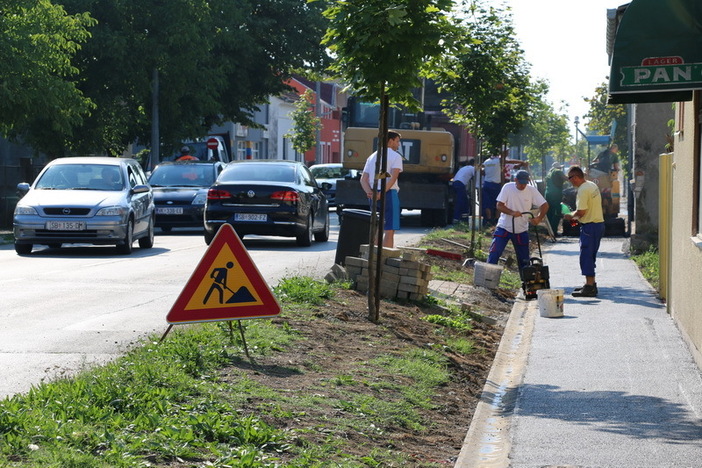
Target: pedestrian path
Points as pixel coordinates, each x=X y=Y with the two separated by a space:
x=609 y=384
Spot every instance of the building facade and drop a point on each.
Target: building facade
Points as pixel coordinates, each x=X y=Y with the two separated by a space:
x=656 y=58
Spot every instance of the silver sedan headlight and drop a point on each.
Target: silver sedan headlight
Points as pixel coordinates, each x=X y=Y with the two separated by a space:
x=112 y=211
x=25 y=210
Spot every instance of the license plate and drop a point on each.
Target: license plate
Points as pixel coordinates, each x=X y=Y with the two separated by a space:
x=169 y=210
x=65 y=226
x=250 y=217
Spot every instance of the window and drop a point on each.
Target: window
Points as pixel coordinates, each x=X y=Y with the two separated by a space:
x=141 y=177
x=133 y=181
x=248 y=150
x=306 y=177
x=240 y=150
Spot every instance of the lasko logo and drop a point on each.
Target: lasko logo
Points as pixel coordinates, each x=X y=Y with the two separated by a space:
x=662 y=71
x=226 y=285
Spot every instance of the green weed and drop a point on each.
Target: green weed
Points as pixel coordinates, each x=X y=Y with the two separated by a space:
x=454 y=275
x=649 y=265
x=461 y=345
x=343 y=380
x=455 y=322
x=303 y=290
x=425 y=367
x=510 y=279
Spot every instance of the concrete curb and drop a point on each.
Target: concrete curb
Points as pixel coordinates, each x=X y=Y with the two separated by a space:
x=488 y=441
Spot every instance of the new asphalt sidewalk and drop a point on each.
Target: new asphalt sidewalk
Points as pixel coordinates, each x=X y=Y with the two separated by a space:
x=609 y=384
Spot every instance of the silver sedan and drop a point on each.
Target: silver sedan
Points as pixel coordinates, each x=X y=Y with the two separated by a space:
x=93 y=200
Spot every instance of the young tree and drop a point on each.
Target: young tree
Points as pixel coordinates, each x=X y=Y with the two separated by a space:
x=305 y=123
x=487 y=77
x=545 y=132
x=382 y=49
x=39 y=91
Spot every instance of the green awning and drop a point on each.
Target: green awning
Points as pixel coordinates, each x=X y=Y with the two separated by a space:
x=657 y=55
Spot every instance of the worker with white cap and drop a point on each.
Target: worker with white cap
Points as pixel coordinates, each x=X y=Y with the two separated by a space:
x=514 y=199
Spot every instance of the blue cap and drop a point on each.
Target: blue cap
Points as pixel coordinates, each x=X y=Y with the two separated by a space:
x=522 y=177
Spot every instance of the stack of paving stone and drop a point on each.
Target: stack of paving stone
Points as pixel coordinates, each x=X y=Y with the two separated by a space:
x=403 y=275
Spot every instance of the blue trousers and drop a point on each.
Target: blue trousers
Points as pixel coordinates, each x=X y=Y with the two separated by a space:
x=520 y=241
x=590 y=237
x=490 y=192
x=461 y=201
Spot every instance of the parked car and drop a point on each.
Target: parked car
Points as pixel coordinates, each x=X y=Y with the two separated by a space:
x=331 y=173
x=180 y=191
x=93 y=200
x=268 y=197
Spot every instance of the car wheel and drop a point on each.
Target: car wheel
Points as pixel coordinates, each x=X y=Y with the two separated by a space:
x=125 y=247
x=323 y=235
x=304 y=239
x=23 y=249
x=148 y=241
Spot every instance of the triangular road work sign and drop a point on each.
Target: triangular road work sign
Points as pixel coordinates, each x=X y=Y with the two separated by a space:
x=226 y=285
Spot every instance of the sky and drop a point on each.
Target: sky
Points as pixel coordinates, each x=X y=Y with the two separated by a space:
x=565 y=43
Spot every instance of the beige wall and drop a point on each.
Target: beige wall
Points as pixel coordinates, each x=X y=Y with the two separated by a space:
x=685 y=295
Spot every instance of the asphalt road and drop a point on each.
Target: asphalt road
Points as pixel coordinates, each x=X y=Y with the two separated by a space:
x=65 y=309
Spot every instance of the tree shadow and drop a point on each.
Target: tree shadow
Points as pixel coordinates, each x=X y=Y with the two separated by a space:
x=270 y=370
x=638 y=416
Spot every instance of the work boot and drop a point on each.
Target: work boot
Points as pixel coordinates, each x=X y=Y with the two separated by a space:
x=586 y=291
x=581 y=288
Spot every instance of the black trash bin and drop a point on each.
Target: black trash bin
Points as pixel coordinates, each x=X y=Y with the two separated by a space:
x=353 y=233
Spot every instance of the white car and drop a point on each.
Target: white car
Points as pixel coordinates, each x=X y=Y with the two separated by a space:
x=93 y=200
x=331 y=173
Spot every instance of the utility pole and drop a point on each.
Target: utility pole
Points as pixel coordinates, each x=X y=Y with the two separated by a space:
x=318 y=113
x=577 y=121
x=154 y=154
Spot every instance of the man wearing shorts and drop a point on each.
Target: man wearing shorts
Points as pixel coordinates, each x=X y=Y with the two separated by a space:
x=392 y=200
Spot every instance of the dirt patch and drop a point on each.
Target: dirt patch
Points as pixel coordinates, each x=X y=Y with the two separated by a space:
x=335 y=366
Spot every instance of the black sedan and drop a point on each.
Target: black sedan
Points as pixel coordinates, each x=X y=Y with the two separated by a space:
x=268 y=197
x=180 y=191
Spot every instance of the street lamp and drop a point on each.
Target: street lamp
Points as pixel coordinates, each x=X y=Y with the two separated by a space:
x=577 y=121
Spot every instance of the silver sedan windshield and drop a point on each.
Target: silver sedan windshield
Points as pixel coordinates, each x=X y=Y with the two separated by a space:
x=81 y=177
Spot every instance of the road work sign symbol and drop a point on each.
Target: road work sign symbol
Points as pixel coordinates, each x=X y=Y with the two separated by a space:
x=226 y=285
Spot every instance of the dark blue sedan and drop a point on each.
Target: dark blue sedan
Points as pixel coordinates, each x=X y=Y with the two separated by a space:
x=180 y=191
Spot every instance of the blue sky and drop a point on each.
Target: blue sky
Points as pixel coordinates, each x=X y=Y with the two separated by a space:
x=564 y=40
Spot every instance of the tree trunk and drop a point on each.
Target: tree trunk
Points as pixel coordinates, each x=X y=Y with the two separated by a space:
x=377 y=216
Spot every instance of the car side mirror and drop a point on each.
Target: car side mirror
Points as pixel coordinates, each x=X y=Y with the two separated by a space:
x=141 y=189
x=326 y=186
x=22 y=189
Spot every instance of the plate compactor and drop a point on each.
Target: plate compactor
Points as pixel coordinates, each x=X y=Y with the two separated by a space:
x=535 y=275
